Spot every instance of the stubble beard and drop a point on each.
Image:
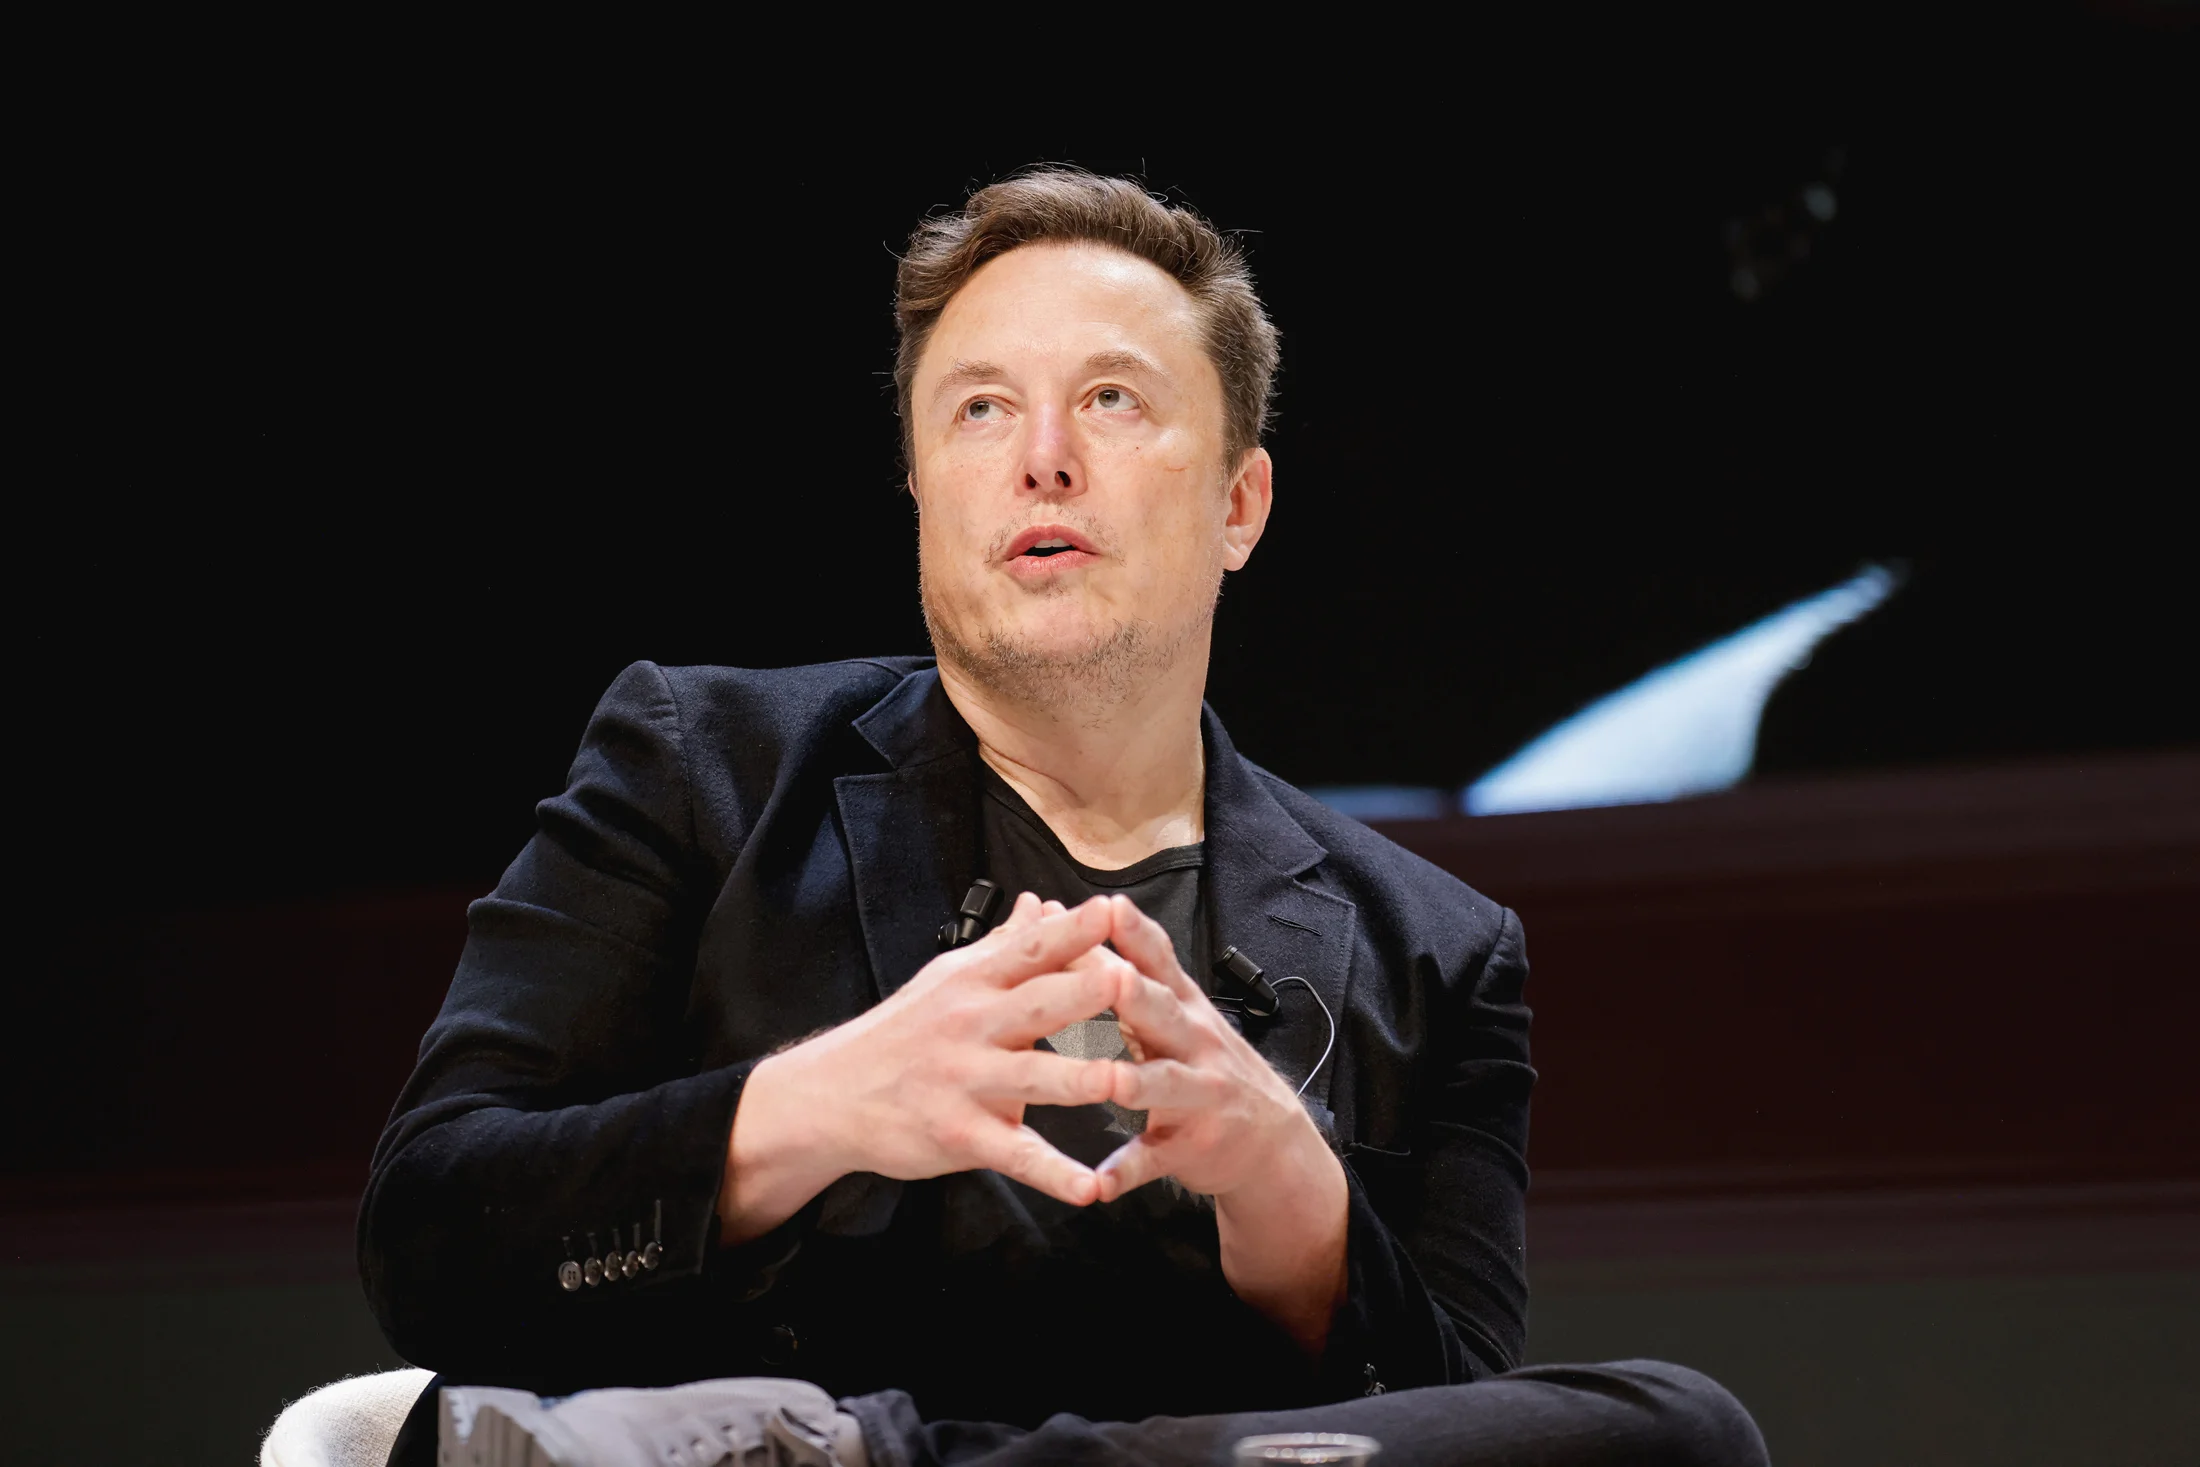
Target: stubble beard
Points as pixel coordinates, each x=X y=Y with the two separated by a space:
x=1079 y=685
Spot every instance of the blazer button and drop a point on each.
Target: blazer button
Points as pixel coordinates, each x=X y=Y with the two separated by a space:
x=592 y=1272
x=569 y=1276
x=652 y=1254
x=633 y=1264
x=780 y=1346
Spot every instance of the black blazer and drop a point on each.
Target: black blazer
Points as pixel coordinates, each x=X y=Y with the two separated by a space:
x=743 y=858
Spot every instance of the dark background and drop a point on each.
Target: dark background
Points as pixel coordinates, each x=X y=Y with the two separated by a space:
x=466 y=400
x=408 y=410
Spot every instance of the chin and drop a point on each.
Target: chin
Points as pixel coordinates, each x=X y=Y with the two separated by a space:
x=1063 y=639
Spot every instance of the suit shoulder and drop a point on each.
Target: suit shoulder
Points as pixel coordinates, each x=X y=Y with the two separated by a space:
x=797 y=704
x=1375 y=869
x=745 y=733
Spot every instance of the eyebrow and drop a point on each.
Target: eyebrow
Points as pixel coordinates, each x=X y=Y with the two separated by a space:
x=969 y=374
x=966 y=374
x=1124 y=361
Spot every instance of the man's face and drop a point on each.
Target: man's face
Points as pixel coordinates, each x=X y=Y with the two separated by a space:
x=1075 y=513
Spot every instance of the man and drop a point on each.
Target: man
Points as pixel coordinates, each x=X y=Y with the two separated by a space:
x=1216 y=1128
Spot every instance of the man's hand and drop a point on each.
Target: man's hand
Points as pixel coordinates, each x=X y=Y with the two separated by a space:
x=1221 y=1121
x=1219 y=1117
x=936 y=1078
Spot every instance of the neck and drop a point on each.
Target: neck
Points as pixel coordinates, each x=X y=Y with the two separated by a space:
x=1115 y=782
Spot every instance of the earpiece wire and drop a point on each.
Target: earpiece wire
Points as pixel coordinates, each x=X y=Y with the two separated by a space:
x=1332 y=1018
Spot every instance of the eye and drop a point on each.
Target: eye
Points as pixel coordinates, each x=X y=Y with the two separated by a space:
x=980 y=410
x=1113 y=399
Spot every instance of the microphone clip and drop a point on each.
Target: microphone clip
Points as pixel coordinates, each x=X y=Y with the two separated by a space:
x=970 y=918
x=1260 y=999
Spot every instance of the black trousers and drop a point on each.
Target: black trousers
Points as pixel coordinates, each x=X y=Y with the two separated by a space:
x=1632 y=1413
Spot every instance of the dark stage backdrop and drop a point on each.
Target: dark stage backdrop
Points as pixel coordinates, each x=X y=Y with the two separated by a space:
x=416 y=382
x=429 y=415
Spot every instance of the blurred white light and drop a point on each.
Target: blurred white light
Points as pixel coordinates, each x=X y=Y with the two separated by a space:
x=1689 y=728
x=1819 y=200
x=1385 y=801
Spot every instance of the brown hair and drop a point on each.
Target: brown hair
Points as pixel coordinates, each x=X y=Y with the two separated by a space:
x=1065 y=204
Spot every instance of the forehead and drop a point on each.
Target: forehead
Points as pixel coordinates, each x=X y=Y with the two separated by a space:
x=1068 y=300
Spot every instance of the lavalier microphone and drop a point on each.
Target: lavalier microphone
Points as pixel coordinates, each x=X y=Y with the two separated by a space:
x=1260 y=999
x=970 y=918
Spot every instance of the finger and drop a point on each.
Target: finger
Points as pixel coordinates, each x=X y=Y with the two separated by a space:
x=1033 y=1009
x=1041 y=1077
x=1046 y=944
x=1135 y=1163
x=1167 y=1085
x=1146 y=943
x=1026 y=907
x=1164 y=1027
x=1022 y=1153
x=1099 y=957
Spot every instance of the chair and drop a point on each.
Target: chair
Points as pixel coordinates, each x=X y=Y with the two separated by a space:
x=352 y=1423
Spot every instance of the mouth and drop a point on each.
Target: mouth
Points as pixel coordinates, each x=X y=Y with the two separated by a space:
x=1045 y=550
x=1046 y=542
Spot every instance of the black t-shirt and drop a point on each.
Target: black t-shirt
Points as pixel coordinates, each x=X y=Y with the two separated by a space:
x=1022 y=854
x=997 y=1264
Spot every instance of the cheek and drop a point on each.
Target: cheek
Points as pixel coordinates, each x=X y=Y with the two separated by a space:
x=943 y=541
x=1184 y=533
x=1158 y=470
x=1175 y=452
x=961 y=474
x=953 y=531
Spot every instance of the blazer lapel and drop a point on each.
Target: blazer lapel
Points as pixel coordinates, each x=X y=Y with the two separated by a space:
x=1256 y=854
x=911 y=831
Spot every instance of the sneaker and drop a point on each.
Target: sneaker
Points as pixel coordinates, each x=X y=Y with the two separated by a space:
x=746 y=1422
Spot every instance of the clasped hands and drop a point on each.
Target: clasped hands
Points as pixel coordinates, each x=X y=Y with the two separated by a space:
x=935 y=1079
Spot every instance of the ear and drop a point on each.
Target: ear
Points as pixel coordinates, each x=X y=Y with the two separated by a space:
x=1252 y=494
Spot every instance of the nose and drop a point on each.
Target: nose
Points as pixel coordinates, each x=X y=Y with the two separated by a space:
x=1051 y=464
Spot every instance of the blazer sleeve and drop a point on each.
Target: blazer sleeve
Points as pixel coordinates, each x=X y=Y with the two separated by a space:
x=1436 y=1247
x=552 y=1116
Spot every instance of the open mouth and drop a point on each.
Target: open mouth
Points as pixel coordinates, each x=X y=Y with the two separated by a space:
x=1058 y=543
